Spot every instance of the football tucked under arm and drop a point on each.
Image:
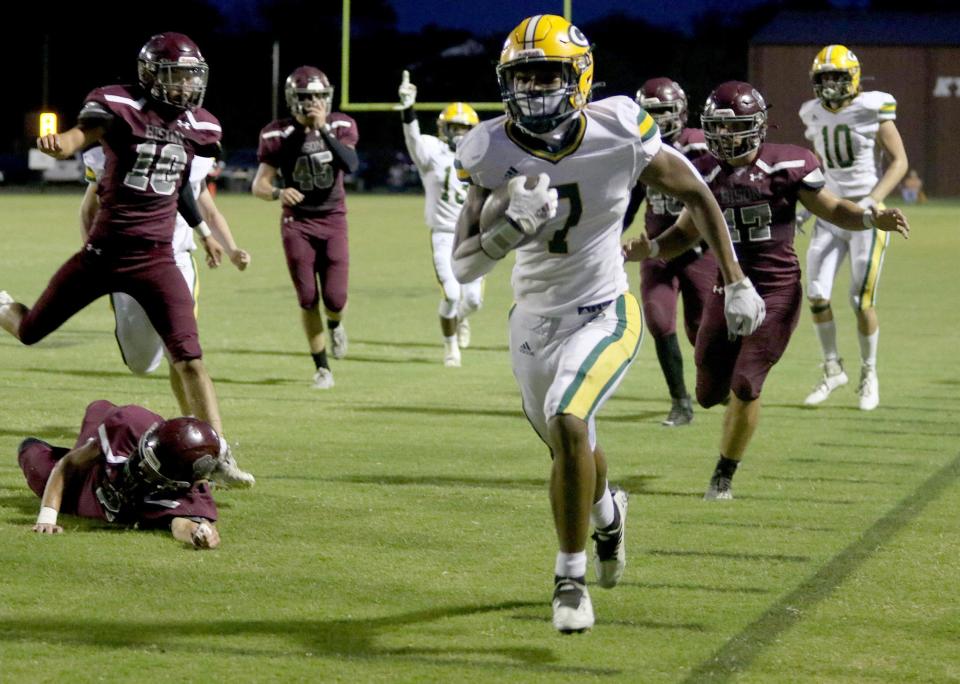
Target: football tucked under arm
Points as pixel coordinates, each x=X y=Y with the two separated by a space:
x=514 y=213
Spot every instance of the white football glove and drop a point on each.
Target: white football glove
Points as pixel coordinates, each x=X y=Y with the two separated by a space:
x=407 y=92
x=743 y=308
x=202 y=536
x=530 y=209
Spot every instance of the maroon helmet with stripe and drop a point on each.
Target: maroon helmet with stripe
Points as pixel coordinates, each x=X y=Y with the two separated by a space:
x=734 y=120
x=665 y=101
x=176 y=453
x=172 y=70
x=304 y=84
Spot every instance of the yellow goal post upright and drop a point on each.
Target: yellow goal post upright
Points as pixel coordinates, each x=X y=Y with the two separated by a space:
x=347 y=106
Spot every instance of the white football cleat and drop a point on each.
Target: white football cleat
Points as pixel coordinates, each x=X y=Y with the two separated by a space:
x=229 y=474
x=5 y=298
x=869 y=388
x=338 y=342
x=833 y=377
x=451 y=355
x=322 y=379
x=463 y=333
x=572 y=609
x=610 y=549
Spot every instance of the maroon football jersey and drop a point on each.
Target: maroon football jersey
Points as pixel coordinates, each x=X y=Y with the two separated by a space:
x=306 y=164
x=759 y=203
x=148 y=150
x=663 y=210
x=117 y=431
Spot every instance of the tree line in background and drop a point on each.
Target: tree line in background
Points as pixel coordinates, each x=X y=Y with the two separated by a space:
x=447 y=64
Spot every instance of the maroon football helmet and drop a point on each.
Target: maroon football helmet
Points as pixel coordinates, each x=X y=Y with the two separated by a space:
x=665 y=101
x=174 y=454
x=172 y=70
x=734 y=120
x=305 y=84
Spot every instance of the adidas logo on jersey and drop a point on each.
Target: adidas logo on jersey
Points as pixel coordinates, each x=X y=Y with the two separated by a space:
x=526 y=349
x=511 y=172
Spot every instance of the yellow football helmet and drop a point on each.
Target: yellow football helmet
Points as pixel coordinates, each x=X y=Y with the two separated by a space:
x=545 y=72
x=835 y=75
x=454 y=121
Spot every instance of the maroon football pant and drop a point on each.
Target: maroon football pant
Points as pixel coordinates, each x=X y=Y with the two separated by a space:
x=149 y=275
x=660 y=284
x=742 y=365
x=310 y=257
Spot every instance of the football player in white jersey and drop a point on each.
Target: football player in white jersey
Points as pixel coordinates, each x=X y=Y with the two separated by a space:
x=445 y=193
x=575 y=328
x=140 y=345
x=849 y=129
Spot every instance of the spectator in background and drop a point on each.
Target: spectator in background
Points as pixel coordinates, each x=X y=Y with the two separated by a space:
x=912 y=188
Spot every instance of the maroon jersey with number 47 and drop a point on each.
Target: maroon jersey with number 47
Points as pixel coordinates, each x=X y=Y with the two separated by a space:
x=759 y=204
x=148 y=148
x=306 y=164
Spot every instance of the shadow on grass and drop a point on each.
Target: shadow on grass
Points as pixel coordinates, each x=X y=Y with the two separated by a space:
x=345 y=638
x=728 y=555
x=725 y=589
x=161 y=376
x=642 y=624
x=44 y=432
x=440 y=410
x=634 y=485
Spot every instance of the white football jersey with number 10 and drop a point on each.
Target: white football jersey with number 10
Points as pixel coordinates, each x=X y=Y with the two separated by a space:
x=846 y=139
x=575 y=260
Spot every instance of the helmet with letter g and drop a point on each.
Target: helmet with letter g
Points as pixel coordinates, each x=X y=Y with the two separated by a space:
x=835 y=75
x=455 y=121
x=545 y=72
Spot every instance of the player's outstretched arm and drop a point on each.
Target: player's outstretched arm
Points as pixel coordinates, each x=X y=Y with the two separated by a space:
x=671 y=243
x=65 y=145
x=221 y=230
x=851 y=216
x=671 y=173
x=202 y=534
x=469 y=260
x=68 y=469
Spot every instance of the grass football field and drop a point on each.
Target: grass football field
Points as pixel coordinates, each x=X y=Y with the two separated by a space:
x=400 y=528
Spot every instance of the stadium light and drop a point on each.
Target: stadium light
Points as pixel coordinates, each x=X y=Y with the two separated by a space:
x=48 y=123
x=347 y=106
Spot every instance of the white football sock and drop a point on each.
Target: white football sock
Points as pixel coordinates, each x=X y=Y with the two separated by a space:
x=868 y=348
x=827 y=333
x=571 y=564
x=450 y=342
x=601 y=515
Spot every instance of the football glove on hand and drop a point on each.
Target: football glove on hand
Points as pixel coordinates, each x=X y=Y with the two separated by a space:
x=407 y=92
x=743 y=307
x=530 y=209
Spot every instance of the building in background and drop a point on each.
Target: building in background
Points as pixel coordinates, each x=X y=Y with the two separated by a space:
x=915 y=57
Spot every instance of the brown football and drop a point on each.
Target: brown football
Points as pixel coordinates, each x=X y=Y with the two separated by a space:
x=497 y=202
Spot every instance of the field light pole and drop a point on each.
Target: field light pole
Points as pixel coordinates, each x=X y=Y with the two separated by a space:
x=275 y=78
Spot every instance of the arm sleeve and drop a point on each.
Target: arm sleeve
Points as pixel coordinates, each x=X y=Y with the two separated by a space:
x=417 y=146
x=344 y=156
x=187 y=204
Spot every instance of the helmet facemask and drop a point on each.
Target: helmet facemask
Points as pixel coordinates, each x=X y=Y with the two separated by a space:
x=181 y=84
x=298 y=99
x=540 y=94
x=833 y=87
x=671 y=117
x=731 y=137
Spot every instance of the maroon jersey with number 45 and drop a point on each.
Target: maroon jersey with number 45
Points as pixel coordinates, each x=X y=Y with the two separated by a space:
x=759 y=204
x=306 y=163
x=148 y=148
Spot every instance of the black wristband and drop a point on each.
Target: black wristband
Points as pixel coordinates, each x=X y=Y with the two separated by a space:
x=408 y=115
x=276 y=193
